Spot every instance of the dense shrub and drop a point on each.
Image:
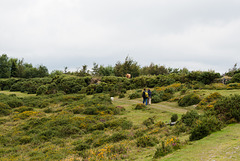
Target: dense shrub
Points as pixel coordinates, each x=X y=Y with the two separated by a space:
x=167 y=147
x=23 y=108
x=233 y=86
x=160 y=124
x=174 y=118
x=25 y=139
x=81 y=146
x=228 y=108
x=146 y=141
x=42 y=90
x=135 y=95
x=179 y=128
x=204 y=77
x=140 y=106
x=122 y=122
x=4 y=109
x=208 y=102
x=118 y=136
x=121 y=95
x=205 y=126
x=157 y=96
x=188 y=100
x=148 y=122
x=166 y=96
x=27 y=114
x=15 y=102
x=190 y=117
x=236 y=78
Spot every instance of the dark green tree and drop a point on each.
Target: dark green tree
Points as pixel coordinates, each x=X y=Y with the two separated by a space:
x=14 y=68
x=5 y=66
x=21 y=68
x=95 y=69
x=129 y=66
x=42 y=71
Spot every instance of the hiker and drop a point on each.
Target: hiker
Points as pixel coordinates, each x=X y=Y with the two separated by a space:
x=149 y=97
x=145 y=96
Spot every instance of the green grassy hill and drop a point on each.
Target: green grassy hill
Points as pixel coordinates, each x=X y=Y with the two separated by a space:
x=220 y=146
x=92 y=127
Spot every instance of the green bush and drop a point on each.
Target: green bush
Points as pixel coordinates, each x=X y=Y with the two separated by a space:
x=122 y=122
x=25 y=139
x=135 y=95
x=148 y=122
x=174 y=118
x=166 y=96
x=81 y=146
x=146 y=141
x=77 y=110
x=23 y=108
x=156 y=99
x=162 y=150
x=157 y=96
x=91 y=111
x=15 y=102
x=121 y=95
x=188 y=100
x=190 y=117
x=118 y=136
x=48 y=110
x=140 y=106
x=138 y=133
x=205 y=126
x=236 y=78
x=4 y=109
x=167 y=147
x=126 y=124
x=228 y=108
x=179 y=128
x=42 y=90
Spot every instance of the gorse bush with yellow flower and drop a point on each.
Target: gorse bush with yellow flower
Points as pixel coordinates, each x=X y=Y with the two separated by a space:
x=167 y=146
x=209 y=101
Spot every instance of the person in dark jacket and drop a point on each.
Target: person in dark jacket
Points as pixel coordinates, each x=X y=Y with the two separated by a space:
x=149 y=97
x=145 y=98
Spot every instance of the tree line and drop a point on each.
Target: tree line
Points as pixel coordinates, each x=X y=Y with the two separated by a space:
x=13 y=67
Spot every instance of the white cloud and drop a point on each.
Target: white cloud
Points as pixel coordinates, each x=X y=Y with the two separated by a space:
x=57 y=33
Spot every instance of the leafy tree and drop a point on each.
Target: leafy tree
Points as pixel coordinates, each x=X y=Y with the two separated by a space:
x=42 y=71
x=233 y=70
x=153 y=69
x=5 y=66
x=83 y=72
x=129 y=66
x=106 y=71
x=21 y=68
x=14 y=68
x=95 y=69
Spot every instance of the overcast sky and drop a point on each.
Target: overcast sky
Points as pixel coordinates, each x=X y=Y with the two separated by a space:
x=196 y=34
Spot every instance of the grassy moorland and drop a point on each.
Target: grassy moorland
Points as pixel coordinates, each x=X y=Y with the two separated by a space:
x=222 y=146
x=92 y=127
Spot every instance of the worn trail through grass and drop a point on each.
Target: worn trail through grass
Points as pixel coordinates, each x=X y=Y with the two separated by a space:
x=158 y=106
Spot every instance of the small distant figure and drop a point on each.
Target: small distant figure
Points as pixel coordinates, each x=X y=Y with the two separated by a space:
x=145 y=96
x=112 y=98
x=224 y=81
x=128 y=75
x=149 y=97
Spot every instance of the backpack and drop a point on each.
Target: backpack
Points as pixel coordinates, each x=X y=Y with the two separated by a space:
x=146 y=94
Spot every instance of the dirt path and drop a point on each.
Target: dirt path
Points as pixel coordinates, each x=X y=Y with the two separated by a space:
x=159 y=106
